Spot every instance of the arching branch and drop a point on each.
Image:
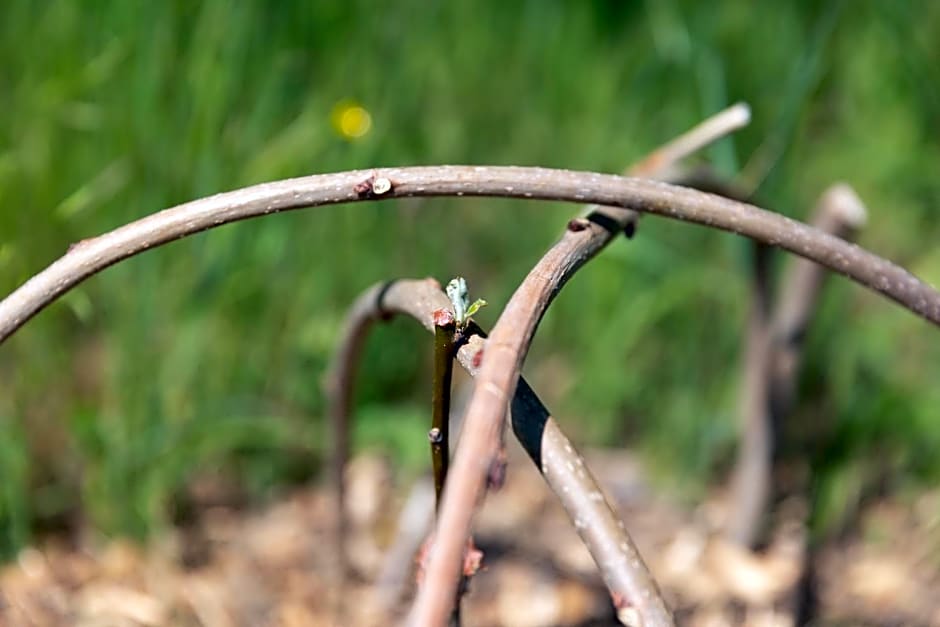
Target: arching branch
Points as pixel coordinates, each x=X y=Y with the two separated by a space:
x=90 y=256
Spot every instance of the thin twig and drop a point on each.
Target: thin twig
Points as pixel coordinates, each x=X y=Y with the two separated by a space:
x=663 y=163
x=439 y=435
x=659 y=162
x=90 y=256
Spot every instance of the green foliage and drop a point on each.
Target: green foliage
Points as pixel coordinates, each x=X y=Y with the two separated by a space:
x=207 y=352
x=458 y=294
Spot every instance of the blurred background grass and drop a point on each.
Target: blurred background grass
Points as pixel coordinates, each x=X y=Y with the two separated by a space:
x=204 y=357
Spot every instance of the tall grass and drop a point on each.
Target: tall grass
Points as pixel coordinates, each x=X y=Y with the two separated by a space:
x=205 y=355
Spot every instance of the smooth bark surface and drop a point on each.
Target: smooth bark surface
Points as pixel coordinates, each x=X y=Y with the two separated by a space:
x=439 y=435
x=92 y=255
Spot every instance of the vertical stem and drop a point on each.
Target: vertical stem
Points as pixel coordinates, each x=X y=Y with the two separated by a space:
x=439 y=435
x=338 y=387
x=752 y=480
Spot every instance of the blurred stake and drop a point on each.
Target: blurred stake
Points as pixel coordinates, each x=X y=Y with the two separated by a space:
x=751 y=480
x=771 y=364
x=840 y=212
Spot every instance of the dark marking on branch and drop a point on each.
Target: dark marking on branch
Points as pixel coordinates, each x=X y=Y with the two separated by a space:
x=577 y=224
x=606 y=222
x=629 y=230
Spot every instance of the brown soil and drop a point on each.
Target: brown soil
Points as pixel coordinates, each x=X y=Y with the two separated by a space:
x=277 y=566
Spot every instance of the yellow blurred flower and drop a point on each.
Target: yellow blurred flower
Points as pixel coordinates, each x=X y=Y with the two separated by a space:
x=350 y=120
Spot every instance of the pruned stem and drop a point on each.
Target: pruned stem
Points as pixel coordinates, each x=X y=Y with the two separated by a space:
x=439 y=435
